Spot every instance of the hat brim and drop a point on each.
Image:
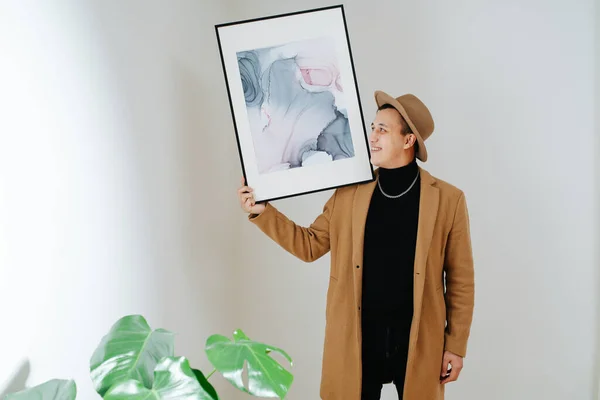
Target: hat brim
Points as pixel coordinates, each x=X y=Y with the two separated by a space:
x=382 y=98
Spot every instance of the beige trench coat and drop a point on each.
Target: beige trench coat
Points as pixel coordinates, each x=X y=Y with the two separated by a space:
x=442 y=318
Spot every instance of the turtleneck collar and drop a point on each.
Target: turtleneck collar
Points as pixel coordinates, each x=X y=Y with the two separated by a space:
x=396 y=180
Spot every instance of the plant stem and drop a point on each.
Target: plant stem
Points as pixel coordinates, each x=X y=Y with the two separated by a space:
x=209 y=375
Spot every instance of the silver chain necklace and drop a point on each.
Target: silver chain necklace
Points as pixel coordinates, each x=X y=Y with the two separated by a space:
x=401 y=194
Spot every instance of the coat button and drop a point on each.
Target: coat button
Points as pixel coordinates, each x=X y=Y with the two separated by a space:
x=358 y=266
x=359 y=308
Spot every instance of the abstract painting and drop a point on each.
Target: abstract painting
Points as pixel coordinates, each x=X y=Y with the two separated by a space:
x=295 y=104
x=294 y=100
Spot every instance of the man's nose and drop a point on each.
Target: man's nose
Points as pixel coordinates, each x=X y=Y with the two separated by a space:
x=373 y=136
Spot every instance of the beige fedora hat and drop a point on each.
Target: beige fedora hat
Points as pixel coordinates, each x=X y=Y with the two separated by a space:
x=415 y=113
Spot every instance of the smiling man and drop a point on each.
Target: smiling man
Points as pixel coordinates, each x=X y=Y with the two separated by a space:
x=401 y=291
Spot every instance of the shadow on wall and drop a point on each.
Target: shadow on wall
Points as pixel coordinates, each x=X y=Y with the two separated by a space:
x=17 y=382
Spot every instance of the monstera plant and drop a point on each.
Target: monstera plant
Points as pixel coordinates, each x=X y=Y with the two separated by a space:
x=135 y=362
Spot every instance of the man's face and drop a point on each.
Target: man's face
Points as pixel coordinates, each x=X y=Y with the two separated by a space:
x=386 y=139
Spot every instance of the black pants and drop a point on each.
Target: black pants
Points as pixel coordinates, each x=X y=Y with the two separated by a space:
x=384 y=355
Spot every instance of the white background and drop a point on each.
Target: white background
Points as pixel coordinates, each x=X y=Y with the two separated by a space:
x=118 y=172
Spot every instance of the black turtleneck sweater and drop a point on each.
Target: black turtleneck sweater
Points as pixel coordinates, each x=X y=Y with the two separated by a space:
x=389 y=255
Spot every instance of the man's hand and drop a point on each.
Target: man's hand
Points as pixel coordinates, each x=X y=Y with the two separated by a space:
x=247 y=200
x=454 y=363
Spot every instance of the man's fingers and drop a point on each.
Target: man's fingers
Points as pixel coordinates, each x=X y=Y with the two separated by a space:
x=245 y=197
x=245 y=194
x=446 y=364
x=453 y=375
x=248 y=203
x=448 y=378
x=444 y=371
x=245 y=189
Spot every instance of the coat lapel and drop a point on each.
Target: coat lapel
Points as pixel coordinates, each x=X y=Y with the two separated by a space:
x=360 y=208
x=428 y=209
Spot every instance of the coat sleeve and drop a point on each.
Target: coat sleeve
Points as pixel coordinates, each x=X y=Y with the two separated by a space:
x=306 y=243
x=460 y=282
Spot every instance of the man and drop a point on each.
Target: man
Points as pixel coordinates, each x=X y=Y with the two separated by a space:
x=401 y=291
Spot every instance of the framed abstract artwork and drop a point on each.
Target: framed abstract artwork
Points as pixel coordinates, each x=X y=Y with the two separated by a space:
x=295 y=103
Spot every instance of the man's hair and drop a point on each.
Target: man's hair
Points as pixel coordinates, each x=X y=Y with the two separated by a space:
x=405 y=128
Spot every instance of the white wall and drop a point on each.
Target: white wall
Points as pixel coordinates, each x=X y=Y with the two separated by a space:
x=509 y=86
x=117 y=157
x=597 y=179
x=111 y=150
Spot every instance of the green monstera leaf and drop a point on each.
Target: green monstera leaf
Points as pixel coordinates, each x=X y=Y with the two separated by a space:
x=173 y=379
x=131 y=350
x=266 y=377
x=205 y=384
x=55 y=389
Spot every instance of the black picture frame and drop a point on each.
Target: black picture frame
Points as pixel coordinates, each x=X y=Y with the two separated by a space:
x=357 y=171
